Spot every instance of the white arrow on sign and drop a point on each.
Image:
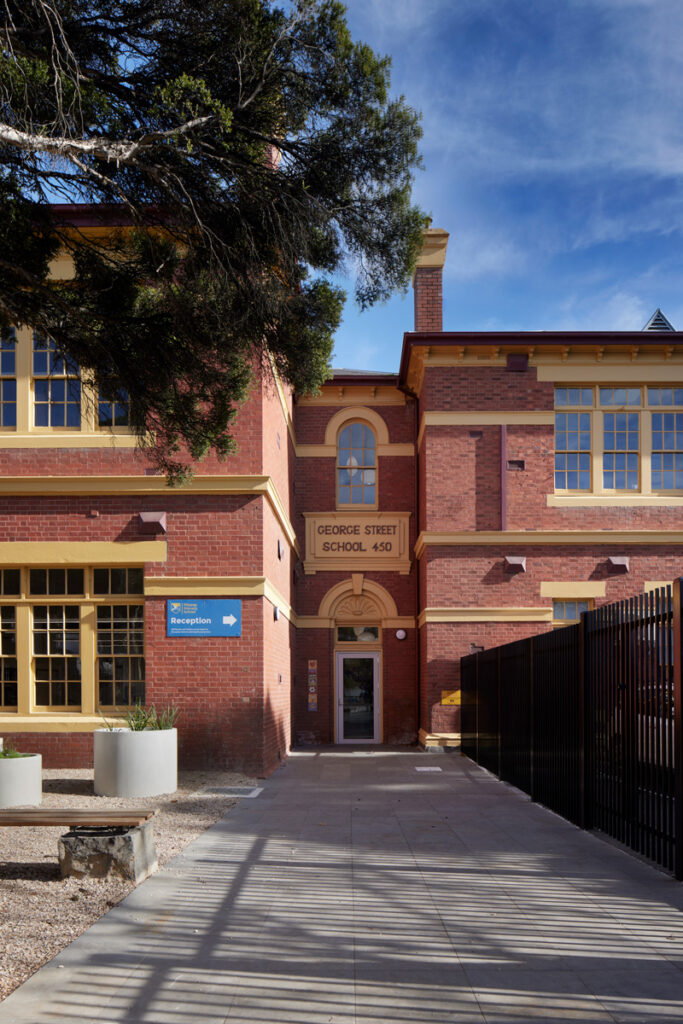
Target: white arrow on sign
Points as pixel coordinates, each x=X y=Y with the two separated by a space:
x=229 y=620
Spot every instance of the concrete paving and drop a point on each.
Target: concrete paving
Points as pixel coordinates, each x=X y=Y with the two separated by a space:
x=359 y=888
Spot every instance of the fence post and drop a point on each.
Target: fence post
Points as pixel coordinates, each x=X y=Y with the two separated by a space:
x=678 y=732
x=532 y=736
x=500 y=702
x=585 y=804
x=476 y=708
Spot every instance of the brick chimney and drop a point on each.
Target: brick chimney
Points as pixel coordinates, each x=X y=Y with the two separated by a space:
x=427 y=284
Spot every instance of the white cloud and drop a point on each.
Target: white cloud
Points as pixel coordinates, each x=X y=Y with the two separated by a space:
x=390 y=19
x=615 y=310
x=473 y=254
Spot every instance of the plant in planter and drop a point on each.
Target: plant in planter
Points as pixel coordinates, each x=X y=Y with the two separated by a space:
x=139 y=758
x=21 y=778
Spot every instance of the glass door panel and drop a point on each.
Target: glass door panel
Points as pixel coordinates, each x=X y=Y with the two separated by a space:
x=357 y=677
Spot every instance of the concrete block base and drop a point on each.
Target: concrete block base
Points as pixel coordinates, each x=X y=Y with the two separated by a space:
x=97 y=852
x=438 y=742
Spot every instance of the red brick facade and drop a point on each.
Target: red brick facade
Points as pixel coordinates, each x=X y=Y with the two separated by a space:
x=465 y=449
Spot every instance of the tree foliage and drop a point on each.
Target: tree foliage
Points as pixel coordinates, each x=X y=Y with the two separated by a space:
x=245 y=152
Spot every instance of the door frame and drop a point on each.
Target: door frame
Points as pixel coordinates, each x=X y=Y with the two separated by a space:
x=339 y=657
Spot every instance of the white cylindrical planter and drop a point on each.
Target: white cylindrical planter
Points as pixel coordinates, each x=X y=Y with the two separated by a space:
x=21 y=781
x=136 y=763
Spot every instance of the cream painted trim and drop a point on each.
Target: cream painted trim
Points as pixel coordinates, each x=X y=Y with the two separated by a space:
x=82 y=552
x=589 y=371
x=488 y=417
x=276 y=598
x=321 y=622
x=656 y=584
x=218 y=586
x=350 y=394
x=52 y=722
x=614 y=500
x=468 y=538
x=205 y=586
x=438 y=739
x=153 y=485
x=356 y=412
x=281 y=515
x=494 y=417
x=71 y=440
x=429 y=615
x=434 y=246
x=87 y=485
x=579 y=589
x=386 y=605
x=329 y=451
x=283 y=399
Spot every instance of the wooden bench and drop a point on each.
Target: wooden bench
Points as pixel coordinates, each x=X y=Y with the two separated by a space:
x=95 y=852
x=74 y=817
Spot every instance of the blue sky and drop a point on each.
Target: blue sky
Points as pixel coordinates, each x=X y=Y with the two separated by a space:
x=553 y=153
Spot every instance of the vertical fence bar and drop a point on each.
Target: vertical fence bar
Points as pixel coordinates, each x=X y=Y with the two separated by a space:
x=532 y=724
x=500 y=703
x=583 y=813
x=476 y=708
x=600 y=739
x=678 y=733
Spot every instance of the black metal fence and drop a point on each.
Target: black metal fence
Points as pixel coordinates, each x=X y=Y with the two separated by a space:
x=588 y=720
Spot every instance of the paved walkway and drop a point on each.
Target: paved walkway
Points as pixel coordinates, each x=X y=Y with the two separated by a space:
x=367 y=887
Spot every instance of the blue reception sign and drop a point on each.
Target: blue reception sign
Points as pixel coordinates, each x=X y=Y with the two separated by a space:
x=203 y=618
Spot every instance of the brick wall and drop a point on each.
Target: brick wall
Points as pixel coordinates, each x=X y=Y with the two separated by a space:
x=428 y=297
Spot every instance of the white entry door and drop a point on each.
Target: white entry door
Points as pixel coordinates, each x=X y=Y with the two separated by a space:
x=358 y=700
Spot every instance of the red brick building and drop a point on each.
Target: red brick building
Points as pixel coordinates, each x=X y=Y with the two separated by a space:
x=363 y=539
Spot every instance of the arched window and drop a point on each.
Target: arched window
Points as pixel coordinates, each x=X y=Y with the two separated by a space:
x=356 y=465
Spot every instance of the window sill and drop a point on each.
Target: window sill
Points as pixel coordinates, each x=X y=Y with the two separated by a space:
x=615 y=500
x=67 y=439
x=49 y=721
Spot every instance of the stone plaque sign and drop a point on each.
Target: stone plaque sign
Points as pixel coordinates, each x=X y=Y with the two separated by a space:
x=358 y=541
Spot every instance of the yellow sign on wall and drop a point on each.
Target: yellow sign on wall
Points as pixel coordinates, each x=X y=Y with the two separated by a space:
x=450 y=697
x=357 y=541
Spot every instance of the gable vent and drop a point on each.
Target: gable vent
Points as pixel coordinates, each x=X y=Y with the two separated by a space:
x=658 y=322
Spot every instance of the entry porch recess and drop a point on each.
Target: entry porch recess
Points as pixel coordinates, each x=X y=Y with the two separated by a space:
x=588 y=720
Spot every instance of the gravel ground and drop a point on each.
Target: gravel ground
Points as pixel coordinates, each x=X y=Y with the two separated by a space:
x=40 y=913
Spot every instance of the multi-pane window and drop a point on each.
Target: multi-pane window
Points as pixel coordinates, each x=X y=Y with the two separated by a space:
x=621 y=447
x=56 y=582
x=118 y=581
x=114 y=414
x=10 y=586
x=8 y=657
x=8 y=380
x=71 y=639
x=356 y=465
x=56 y=386
x=566 y=612
x=10 y=582
x=633 y=435
x=573 y=450
x=41 y=389
x=57 y=650
x=120 y=654
x=667 y=438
